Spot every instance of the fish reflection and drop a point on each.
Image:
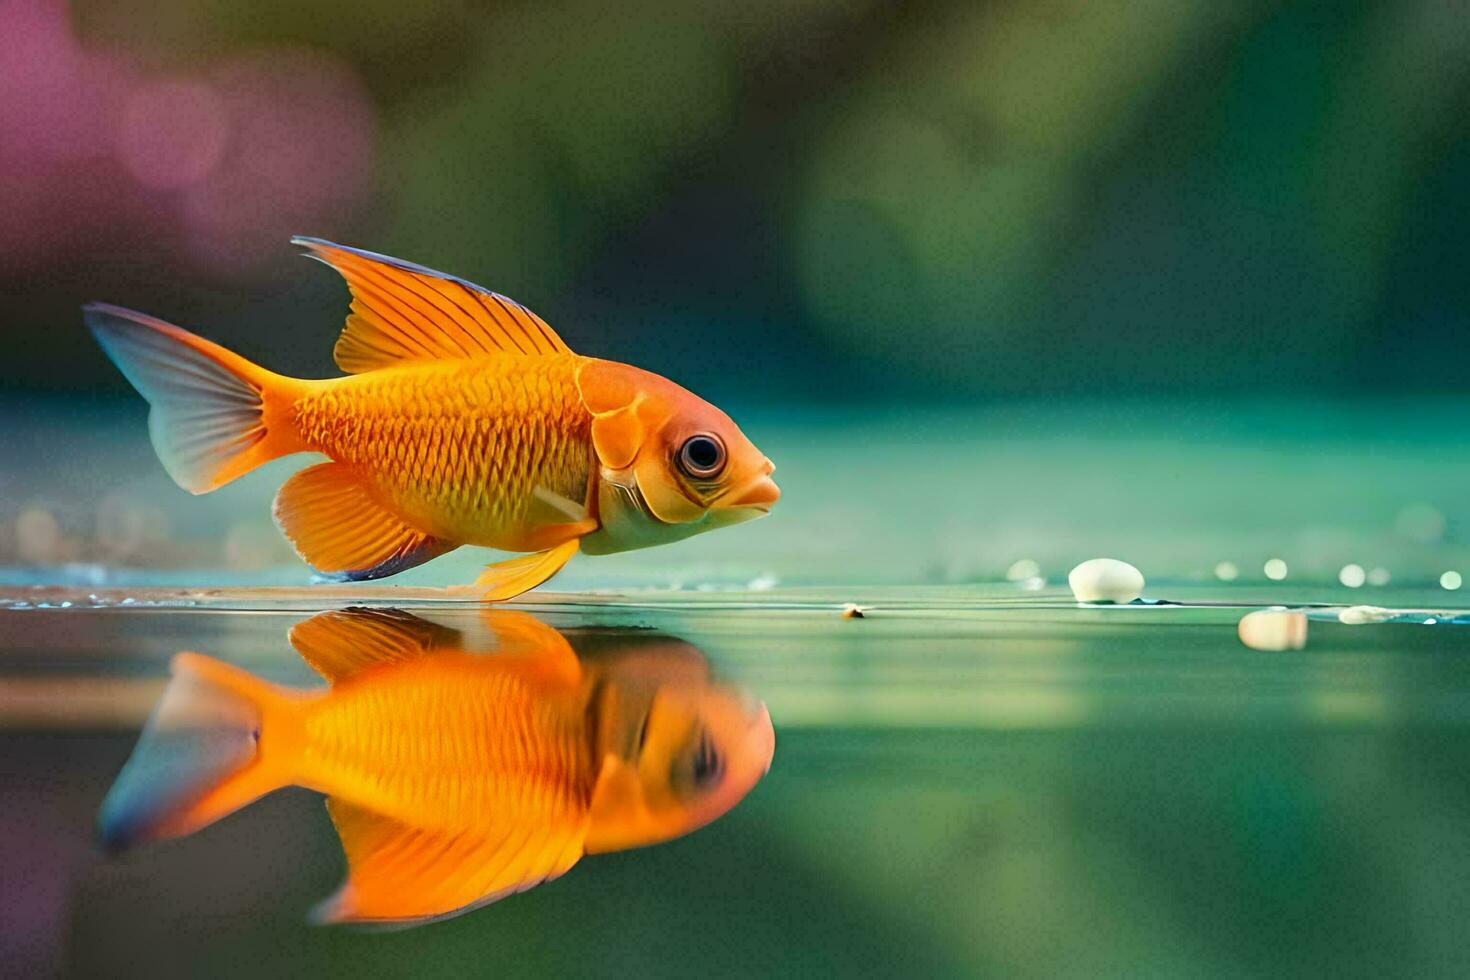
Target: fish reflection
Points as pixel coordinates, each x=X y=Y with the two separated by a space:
x=453 y=778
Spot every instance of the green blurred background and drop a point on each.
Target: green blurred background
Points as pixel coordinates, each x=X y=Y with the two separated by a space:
x=1000 y=286
x=805 y=201
x=1008 y=280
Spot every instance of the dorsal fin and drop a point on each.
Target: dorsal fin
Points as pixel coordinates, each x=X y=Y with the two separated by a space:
x=340 y=643
x=406 y=312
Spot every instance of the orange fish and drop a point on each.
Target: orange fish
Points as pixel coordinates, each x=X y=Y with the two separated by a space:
x=464 y=420
x=454 y=778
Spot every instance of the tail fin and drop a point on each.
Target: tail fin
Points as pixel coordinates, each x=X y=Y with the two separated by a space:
x=215 y=415
x=218 y=739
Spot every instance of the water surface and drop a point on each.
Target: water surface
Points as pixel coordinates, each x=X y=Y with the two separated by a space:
x=968 y=780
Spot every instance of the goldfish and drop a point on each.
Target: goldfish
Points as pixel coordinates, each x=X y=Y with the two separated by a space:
x=463 y=419
x=454 y=778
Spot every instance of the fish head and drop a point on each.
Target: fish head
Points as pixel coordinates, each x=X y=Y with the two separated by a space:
x=671 y=464
x=696 y=753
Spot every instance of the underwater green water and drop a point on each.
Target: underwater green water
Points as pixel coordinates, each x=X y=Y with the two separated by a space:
x=966 y=781
x=872 y=496
x=978 y=777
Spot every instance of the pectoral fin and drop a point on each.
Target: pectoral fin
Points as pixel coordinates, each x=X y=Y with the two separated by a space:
x=342 y=642
x=508 y=579
x=549 y=508
x=339 y=529
x=400 y=874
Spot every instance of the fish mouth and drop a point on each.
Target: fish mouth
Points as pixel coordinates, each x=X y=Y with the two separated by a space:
x=759 y=494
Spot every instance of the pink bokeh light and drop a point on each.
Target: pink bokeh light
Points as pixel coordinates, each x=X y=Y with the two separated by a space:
x=223 y=164
x=58 y=97
x=172 y=133
x=301 y=151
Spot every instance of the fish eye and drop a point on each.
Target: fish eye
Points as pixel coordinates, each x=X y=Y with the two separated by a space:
x=702 y=456
x=707 y=762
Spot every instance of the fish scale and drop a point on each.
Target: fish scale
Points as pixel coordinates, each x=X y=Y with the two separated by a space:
x=458 y=447
x=384 y=745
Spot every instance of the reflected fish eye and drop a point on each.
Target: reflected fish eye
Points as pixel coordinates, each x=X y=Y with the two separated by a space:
x=702 y=456
x=707 y=762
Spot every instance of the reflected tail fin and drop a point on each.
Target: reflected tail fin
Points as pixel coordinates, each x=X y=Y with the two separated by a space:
x=218 y=739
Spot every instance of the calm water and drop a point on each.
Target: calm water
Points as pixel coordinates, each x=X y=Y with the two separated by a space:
x=978 y=777
x=969 y=780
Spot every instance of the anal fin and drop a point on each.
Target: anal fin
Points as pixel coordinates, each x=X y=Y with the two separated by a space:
x=340 y=530
x=508 y=579
x=400 y=874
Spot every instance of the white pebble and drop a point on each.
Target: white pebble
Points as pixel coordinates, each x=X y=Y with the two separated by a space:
x=1105 y=580
x=1359 y=615
x=1024 y=569
x=764 y=582
x=1274 y=629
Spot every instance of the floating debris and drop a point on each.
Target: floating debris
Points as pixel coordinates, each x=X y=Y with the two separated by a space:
x=1274 y=629
x=1359 y=615
x=852 y=610
x=1105 y=580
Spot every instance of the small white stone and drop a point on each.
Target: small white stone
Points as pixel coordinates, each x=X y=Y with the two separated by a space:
x=1274 y=629
x=1105 y=580
x=1021 y=570
x=1360 y=615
